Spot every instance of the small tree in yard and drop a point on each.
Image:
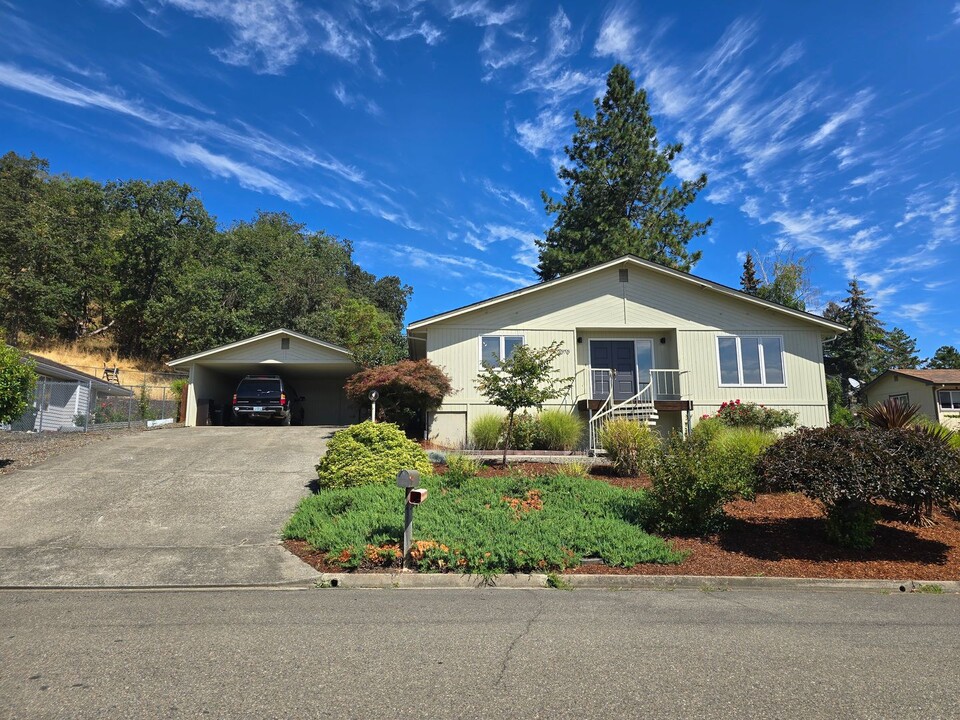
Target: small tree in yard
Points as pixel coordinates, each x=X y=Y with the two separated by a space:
x=408 y=389
x=523 y=380
x=17 y=380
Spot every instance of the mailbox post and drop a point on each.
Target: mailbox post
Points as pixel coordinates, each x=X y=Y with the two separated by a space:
x=413 y=496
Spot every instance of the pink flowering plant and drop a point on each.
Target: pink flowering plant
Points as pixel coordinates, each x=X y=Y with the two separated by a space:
x=741 y=414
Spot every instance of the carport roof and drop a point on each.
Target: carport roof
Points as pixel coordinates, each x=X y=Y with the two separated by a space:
x=256 y=338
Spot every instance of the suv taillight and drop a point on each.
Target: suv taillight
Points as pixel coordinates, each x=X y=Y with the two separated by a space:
x=283 y=399
x=234 y=398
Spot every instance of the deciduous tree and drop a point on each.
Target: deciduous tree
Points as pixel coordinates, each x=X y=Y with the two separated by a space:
x=525 y=379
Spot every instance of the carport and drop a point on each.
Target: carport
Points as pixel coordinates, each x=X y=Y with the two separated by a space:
x=316 y=369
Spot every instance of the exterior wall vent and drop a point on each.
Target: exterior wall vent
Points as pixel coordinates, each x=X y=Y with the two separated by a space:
x=284 y=343
x=624 y=275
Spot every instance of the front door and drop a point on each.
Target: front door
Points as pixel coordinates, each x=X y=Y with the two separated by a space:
x=617 y=355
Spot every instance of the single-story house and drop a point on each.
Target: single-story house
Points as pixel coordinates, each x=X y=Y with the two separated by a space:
x=937 y=392
x=316 y=369
x=664 y=345
x=62 y=394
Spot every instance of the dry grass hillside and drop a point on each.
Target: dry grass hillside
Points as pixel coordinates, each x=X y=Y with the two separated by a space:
x=92 y=355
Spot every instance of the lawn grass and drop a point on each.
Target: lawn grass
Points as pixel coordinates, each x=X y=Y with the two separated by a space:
x=486 y=526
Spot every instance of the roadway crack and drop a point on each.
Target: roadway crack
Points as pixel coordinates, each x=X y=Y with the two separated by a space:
x=520 y=636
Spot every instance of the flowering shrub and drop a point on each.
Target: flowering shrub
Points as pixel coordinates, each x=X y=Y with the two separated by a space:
x=738 y=414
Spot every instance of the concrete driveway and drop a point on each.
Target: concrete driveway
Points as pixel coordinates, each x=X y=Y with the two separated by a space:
x=191 y=506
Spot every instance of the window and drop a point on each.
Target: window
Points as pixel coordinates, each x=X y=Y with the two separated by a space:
x=494 y=348
x=949 y=399
x=902 y=399
x=751 y=360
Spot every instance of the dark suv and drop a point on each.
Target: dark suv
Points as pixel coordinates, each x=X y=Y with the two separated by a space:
x=267 y=397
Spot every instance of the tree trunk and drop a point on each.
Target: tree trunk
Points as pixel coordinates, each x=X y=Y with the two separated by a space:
x=506 y=440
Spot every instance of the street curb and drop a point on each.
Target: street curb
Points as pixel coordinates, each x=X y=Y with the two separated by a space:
x=436 y=581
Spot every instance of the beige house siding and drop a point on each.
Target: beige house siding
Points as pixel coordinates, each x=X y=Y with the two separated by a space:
x=688 y=317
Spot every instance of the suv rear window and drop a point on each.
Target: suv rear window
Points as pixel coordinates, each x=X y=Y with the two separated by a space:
x=255 y=388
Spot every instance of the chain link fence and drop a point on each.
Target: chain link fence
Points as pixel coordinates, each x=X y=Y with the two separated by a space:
x=81 y=407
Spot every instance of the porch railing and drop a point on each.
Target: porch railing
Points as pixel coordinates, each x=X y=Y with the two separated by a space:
x=666 y=383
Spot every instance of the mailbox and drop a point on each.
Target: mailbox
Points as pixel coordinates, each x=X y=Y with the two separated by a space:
x=417 y=496
x=408 y=478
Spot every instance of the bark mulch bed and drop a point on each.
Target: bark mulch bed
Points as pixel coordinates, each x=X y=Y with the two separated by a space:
x=777 y=535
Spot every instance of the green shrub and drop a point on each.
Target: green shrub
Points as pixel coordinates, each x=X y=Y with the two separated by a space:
x=842 y=416
x=852 y=524
x=524 y=432
x=738 y=414
x=688 y=491
x=708 y=428
x=558 y=430
x=574 y=470
x=176 y=389
x=369 y=454
x=460 y=468
x=733 y=453
x=486 y=432
x=631 y=446
x=18 y=378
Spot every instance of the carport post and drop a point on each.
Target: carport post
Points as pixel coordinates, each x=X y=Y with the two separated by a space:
x=86 y=415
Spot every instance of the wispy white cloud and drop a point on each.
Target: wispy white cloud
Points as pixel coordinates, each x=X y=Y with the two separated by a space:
x=938 y=213
x=74 y=93
x=222 y=166
x=736 y=39
x=853 y=111
x=481 y=13
x=507 y=196
x=956 y=14
x=267 y=36
x=350 y=100
x=410 y=256
x=548 y=132
x=618 y=34
x=430 y=33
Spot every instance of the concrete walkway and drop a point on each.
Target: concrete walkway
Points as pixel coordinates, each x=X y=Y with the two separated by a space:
x=188 y=506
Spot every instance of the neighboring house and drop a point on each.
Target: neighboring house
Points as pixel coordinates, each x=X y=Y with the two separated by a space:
x=62 y=394
x=665 y=345
x=937 y=392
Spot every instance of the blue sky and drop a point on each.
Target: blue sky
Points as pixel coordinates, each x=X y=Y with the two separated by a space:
x=424 y=131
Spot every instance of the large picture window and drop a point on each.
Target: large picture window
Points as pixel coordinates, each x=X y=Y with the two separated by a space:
x=751 y=360
x=494 y=348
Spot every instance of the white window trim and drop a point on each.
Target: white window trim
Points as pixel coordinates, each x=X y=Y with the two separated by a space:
x=763 y=366
x=941 y=405
x=501 y=335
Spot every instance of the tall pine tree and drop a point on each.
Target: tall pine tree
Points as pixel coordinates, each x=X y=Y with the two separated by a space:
x=617 y=200
x=854 y=354
x=748 y=281
x=897 y=350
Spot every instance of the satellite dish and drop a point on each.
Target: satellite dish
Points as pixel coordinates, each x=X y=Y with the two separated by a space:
x=854 y=383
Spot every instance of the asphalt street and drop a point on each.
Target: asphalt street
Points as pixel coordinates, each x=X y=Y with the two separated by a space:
x=478 y=653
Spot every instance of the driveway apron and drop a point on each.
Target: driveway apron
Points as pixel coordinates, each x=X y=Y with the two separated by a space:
x=172 y=507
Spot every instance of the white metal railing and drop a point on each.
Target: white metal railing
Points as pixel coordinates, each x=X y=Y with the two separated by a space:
x=638 y=408
x=666 y=384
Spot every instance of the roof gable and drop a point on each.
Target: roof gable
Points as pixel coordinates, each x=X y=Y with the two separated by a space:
x=341 y=354
x=626 y=261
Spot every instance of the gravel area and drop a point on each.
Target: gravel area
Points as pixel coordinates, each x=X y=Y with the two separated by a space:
x=23 y=449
